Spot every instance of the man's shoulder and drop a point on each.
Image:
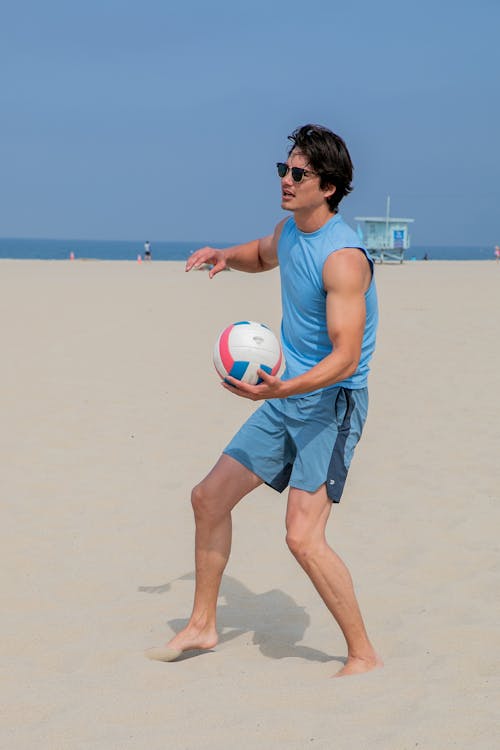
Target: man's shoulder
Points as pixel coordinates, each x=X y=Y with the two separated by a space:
x=349 y=267
x=343 y=232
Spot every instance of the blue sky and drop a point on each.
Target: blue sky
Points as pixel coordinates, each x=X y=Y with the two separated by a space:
x=163 y=120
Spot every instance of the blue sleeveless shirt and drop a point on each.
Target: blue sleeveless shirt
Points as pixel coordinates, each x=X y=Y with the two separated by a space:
x=304 y=332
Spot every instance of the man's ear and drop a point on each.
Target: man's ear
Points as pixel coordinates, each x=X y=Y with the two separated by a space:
x=329 y=190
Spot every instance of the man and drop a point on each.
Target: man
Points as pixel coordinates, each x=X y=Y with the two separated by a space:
x=305 y=433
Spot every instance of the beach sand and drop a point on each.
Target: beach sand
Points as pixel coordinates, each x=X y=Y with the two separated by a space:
x=112 y=411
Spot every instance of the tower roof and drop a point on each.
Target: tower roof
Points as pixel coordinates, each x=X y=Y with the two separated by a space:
x=384 y=219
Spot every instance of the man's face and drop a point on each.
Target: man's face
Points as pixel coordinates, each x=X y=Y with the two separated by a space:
x=306 y=194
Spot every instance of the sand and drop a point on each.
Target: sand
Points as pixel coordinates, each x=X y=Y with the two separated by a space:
x=112 y=410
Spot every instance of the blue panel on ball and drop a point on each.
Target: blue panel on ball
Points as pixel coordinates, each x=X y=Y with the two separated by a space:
x=241 y=323
x=238 y=370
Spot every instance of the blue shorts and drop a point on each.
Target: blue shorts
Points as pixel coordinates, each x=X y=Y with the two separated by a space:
x=303 y=442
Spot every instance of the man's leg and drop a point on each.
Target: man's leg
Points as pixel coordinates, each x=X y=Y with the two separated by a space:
x=213 y=500
x=307 y=514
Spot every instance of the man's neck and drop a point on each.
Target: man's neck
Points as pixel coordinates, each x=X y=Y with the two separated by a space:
x=310 y=221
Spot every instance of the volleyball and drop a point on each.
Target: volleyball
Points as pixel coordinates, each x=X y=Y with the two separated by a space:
x=245 y=347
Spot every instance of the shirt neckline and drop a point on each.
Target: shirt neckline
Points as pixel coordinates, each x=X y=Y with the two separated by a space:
x=335 y=218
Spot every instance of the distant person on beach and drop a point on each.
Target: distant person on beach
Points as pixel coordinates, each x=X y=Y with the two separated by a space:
x=147 y=250
x=304 y=435
x=497 y=253
x=426 y=256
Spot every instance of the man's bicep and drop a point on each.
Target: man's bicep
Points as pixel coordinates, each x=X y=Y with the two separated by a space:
x=346 y=316
x=345 y=281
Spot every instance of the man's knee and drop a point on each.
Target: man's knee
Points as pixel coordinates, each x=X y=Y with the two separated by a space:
x=204 y=503
x=299 y=544
x=199 y=499
x=306 y=545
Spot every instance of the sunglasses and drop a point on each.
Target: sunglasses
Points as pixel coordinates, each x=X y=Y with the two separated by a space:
x=298 y=173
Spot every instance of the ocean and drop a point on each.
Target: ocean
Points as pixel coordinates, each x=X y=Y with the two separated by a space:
x=46 y=249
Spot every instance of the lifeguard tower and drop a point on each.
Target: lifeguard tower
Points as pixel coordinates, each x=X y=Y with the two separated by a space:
x=386 y=238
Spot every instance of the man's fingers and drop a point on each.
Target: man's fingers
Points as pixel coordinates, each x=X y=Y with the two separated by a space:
x=195 y=263
x=204 y=255
x=215 y=269
x=265 y=376
x=207 y=256
x=233 y=382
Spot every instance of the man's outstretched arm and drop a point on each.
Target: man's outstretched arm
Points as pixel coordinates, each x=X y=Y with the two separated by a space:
x=252 y=257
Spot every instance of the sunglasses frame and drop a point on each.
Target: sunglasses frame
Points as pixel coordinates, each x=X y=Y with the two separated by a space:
x=299 y=172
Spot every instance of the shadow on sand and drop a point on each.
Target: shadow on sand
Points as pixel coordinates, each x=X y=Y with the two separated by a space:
x=276 y=621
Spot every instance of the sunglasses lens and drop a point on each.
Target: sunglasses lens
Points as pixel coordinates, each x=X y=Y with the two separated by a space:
x=297 y=174
x=282 y=169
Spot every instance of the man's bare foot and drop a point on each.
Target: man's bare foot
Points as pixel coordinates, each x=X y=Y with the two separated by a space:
x=357 y=665
x=190 y=639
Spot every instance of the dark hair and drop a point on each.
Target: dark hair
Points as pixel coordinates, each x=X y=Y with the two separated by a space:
x=327 y=154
